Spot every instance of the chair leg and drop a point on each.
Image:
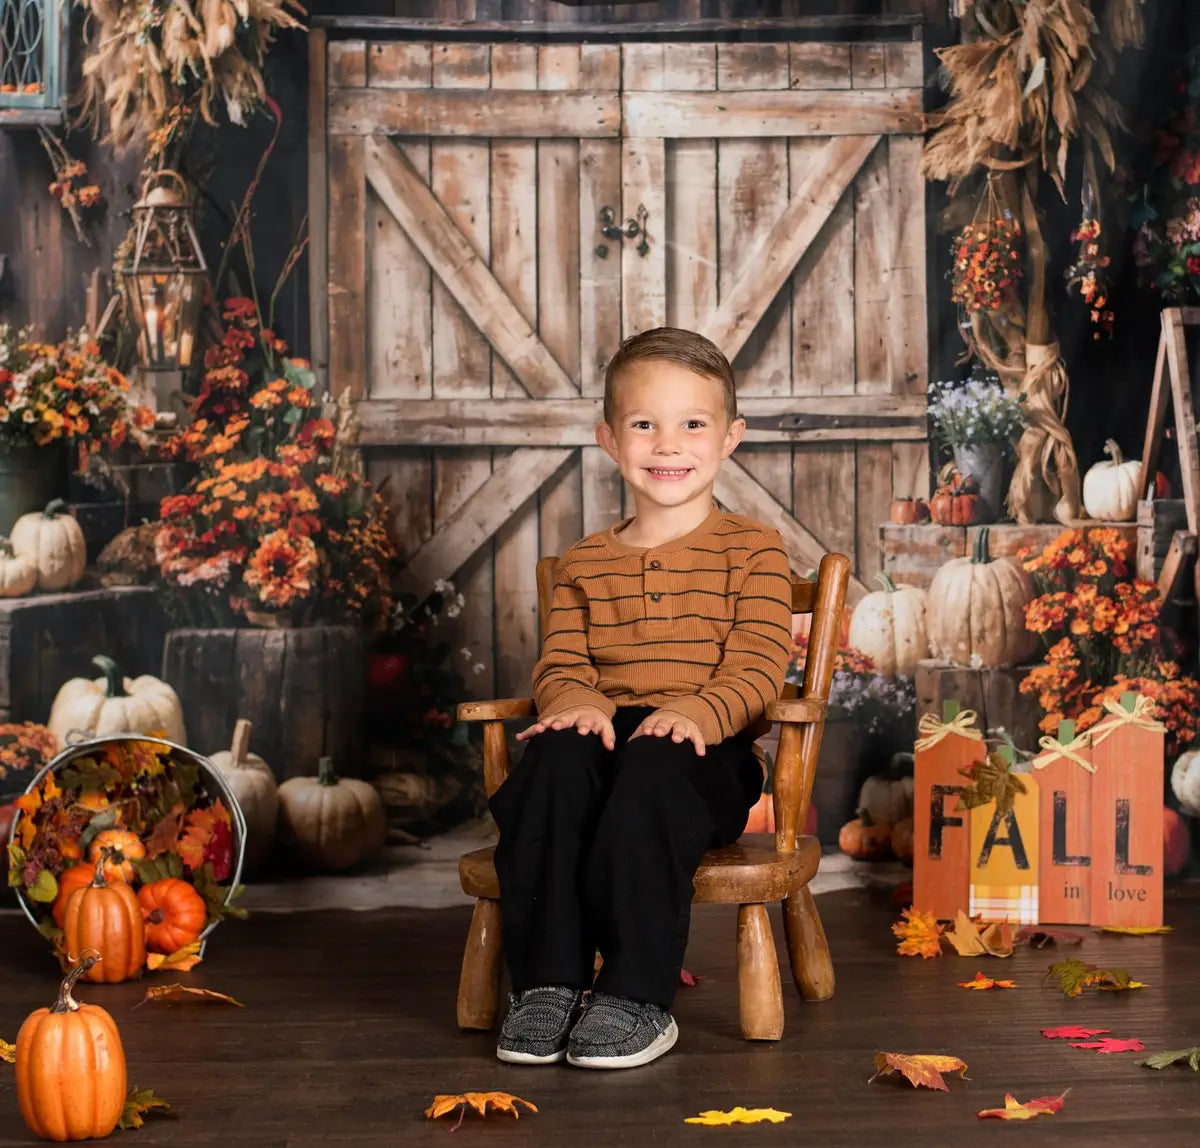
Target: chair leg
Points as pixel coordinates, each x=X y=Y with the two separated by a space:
x=760 y=997
x=808 y=950
x=479 y=982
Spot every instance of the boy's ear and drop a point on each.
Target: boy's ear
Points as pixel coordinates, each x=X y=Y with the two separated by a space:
x=607 y=440
x=733 y=436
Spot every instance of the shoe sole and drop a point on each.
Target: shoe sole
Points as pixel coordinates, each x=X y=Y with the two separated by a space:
x=511 y=1057
x=662 y=1043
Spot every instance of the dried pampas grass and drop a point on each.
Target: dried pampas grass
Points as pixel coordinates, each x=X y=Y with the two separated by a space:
x=144 y=58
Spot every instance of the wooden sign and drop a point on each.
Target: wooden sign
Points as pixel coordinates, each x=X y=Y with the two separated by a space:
x=1064 y=773
x=1126 y=816
x=1005 y=858
x=941 y=836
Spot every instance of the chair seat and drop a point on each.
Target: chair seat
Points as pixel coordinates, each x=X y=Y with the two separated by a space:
x=750 y=870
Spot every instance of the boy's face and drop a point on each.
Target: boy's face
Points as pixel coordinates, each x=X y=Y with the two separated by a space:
x=669 y=433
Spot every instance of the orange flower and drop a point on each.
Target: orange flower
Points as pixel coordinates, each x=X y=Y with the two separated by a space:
x=280 y=571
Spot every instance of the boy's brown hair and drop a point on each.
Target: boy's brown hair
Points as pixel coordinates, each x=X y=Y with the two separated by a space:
x=687 y=348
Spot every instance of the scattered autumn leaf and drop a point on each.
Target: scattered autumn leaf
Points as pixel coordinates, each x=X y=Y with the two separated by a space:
x=980 y=982
x=8 y=1052
x=138 y=1103
x=739 y=1115
x=919 y=933
x=480 y=1101
x=1037 y=937
x=919 y=1069
x=181 y=960
x=1075 y=976
x=1135 y=930
x=1014 y=1110
x=1188 y=1056
x=1110 y=1044
x=164 y=836
x=173 y=993
x=994 y=940
x=1073 y=1032
x=689 y=980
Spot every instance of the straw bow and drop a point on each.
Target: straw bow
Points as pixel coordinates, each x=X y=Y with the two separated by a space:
x=933 y=729
x=1053 y=750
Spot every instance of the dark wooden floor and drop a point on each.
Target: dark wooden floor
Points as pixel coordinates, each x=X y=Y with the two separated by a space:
x=348 y=1032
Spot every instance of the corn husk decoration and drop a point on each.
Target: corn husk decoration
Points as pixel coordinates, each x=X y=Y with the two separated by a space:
x=143 y=59
x=1028 y=83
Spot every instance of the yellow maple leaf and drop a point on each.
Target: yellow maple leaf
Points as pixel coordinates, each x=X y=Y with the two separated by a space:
x=1014 y=1110
x=1135 y=930
x=968 y=940
x=922 y=1070
x=501 y=1101
x=980 y=982
x=181 y=960
x=919 y=933
x=738 y=1115
x=8 y=1052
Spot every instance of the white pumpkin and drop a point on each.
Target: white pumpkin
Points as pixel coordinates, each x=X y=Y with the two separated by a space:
x=253 y=784
x=977 y=610
x=52 y=540
x=331 y=822
x=116 y=704
x=1185 y=782
x=1110 y=489
x=17 y=573
x=889 y=627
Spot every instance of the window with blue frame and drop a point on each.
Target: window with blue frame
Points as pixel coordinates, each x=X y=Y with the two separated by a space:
x=33 y=36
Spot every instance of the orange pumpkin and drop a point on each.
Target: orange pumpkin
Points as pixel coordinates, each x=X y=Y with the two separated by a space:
x=106 y=918
x=902 y=839
x=865 y=839
x=908 y=511
x=74 y=878
x=1177 y=843
x=175 y=914
x=70 y=1066
x=125 y=846
x=955 y=502
x=762 y=817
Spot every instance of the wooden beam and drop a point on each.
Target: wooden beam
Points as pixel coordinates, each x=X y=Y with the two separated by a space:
x=765 y=271
x=347 y=263
x=696 y=115
x=1160 y=397
x=459 y=266
x=572 y=422
x=1185 y=414
x=1181 y=551
x=742 y=493
x=514 y=481
x=318 y=208
x=484 y=114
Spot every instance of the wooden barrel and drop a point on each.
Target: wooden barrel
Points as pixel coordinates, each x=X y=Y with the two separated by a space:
x=303 y=689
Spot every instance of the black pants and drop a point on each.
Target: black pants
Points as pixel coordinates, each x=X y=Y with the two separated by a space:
x=598 y=849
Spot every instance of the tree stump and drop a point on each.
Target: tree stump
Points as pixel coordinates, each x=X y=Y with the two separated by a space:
x=303 y=689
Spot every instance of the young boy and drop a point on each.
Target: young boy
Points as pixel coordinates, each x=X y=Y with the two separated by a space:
x=668 y=635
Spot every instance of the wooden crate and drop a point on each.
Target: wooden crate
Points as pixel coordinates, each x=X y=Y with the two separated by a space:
x=1157 y=521
x=992 y=693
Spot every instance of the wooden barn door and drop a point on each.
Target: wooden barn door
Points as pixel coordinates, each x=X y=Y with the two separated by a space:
x=474 y=298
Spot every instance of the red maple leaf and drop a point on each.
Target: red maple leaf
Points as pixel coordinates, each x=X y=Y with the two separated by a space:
x=1073 y=1031
x=1108 y=1044
x=689 y=980
x=207 y=837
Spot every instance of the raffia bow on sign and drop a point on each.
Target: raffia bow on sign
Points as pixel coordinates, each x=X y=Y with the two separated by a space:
x=991 y=780
x=932 y=729
x=1054 y=750
x=1142 y=716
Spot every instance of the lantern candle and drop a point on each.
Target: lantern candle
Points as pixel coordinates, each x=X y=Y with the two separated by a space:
x=154 y=346
x=185 y=348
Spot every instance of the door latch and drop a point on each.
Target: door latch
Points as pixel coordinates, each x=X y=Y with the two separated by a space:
x=610 y=229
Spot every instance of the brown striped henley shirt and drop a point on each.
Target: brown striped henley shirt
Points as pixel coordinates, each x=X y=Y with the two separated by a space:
x=700 y=625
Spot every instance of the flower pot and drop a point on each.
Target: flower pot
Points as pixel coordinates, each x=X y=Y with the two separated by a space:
x=30 y=478
x=985 y=463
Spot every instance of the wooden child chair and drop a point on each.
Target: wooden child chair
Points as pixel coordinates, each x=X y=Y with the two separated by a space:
x=749 y=873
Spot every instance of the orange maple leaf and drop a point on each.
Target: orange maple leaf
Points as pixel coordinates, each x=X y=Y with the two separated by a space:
x=919 y=1069
x=500 y=1101
x=979 y=981
x=182 y=960
x=199 y=828
x=1014 y=1110
x=920 y=934
x=995 y=940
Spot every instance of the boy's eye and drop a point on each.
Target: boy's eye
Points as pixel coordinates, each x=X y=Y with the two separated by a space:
x=696 y=424
x=641 y=424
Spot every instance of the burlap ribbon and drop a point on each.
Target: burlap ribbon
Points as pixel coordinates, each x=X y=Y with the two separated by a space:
x=1055 y=751
x=933 y=729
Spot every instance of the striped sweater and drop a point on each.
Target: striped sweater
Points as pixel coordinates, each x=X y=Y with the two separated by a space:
x=700 y=625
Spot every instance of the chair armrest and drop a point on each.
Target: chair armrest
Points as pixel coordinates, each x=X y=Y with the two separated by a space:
x=794 y=710
x=499 y=710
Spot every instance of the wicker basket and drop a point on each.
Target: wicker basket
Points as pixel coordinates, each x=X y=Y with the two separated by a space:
x=214 y=784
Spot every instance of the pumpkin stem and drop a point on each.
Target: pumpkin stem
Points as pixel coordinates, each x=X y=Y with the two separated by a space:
x=902 y=765
x=885 y=583
x=55 y=506
x=65 y=1001
x=115 y=686
x=325 y=773
x=107 y=853
x=155 y=917
x=6 y=547
x=240 y=743
x=865 y=818
x=981 y=556
x=1114 y=451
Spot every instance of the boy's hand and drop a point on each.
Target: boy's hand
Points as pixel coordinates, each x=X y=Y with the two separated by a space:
x=663 y=722
x=586 y=719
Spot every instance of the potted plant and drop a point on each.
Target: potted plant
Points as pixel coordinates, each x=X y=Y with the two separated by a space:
x=976 y=421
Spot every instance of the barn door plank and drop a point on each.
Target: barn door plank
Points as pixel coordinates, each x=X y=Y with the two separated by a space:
x=873 y=230
x=514 y=263
x=347 y=267
x=643 y=274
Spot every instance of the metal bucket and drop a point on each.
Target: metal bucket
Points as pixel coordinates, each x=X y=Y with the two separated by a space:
x=214 y=784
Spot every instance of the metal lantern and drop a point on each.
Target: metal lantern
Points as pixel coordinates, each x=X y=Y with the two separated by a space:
x=165 y=279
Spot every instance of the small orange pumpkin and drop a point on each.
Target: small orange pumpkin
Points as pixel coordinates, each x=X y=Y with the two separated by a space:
x=106 y=918
x=902 y=839
x=909 y=511
x=175 y=914
x=125 y=845
x=865 y=839
x=956 y=500
x=74 y=878
x=71 y=1066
